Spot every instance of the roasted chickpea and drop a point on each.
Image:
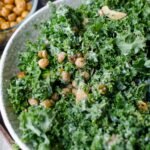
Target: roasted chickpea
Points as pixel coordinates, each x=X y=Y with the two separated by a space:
x=19 y=19
x=12 y=17
x=21 y=4
x=29 y=6
x=13 y=23
x=33 y=102
x=55 y=97
x=47 y=103
x=2 y=20
x=9 y=6
x=1 y=4
x=61 y=56
x=21 y=75
x=43 y=63
x=5 y=12
x=43 y=54
x=80 y=62
x=81 y=95
x=24 y=14
x=103 y=89
x=142 y=106
x=65 y=76
x=8 y=1
x=18 y=1
x=66 y=91
x=17 y=11
x=85 y=75
x=5 y=25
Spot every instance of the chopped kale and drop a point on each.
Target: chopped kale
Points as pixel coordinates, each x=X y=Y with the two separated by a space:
x=84 y=82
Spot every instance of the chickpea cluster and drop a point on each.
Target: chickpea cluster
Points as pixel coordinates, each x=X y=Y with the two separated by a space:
x=46 y=103
x=79 y=61
x=71 y=86
x=13 y=12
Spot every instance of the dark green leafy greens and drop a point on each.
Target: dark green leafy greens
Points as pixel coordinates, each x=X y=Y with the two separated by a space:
x=117 y=55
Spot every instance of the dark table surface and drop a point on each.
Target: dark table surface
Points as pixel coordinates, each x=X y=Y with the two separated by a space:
x=41 y=3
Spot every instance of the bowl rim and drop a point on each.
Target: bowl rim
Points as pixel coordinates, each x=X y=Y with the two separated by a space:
x=4 y=114
x=34 y=7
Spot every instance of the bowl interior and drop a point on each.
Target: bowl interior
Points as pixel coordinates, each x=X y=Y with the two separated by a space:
x=9 y=63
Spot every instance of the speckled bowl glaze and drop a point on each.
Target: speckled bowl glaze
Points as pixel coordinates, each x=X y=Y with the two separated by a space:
x=9 y=61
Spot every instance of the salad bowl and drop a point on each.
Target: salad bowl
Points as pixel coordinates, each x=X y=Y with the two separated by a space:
x=75 y=76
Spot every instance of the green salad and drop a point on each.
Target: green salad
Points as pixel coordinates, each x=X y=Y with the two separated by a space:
x=82 y=85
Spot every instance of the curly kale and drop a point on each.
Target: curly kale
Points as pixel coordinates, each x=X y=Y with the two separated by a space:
x=117 y=60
